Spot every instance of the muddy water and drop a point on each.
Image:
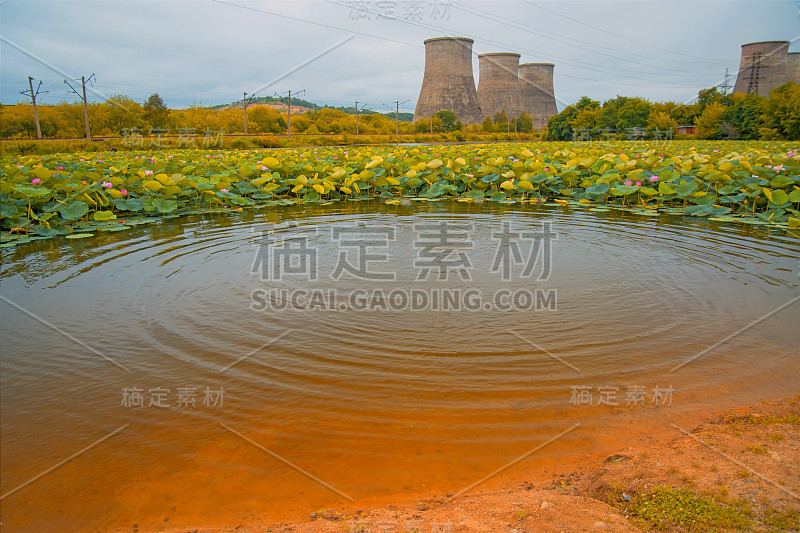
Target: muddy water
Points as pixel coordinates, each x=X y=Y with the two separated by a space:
x=275 y=411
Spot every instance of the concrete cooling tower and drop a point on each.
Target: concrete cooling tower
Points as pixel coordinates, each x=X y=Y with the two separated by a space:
x=793 y=67
x=762 y=68
x=448 y=83
x=537 y=97
x=498 y=84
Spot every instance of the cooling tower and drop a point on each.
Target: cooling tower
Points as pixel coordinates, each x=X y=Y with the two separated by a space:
x=498 y=84
x=448 y=83
x=763 y=67
x=537 y=97
x=793 y=67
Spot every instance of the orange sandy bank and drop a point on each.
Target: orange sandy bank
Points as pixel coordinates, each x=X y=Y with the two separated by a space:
x=736 y=471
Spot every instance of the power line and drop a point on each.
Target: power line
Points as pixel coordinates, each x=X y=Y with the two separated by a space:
x=428 y=27
x=555 y=36
x=315 y=23
x=625 y=38
x=494 y=43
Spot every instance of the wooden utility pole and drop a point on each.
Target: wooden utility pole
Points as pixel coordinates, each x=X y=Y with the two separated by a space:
x=84 y=80
x=33 y=94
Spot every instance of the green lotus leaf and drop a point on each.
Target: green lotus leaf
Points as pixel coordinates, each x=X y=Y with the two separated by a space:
x=74 y=211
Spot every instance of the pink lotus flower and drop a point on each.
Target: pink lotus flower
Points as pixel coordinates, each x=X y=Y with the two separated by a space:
x=60 y=167
x=638 y=183
x=123 y=192
x=148 y=172
x=223 y=190
x=653 y=179
x=36 y=181
x=627 y=182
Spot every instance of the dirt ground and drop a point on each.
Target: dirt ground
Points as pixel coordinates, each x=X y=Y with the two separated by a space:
x=738 y=471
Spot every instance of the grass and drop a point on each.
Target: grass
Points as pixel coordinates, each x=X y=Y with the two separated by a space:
x=666 y=508
x=24 y=147
x=758 y=450
x=791 y=419
x=782 y=520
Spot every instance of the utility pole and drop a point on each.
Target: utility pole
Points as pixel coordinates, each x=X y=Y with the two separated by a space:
x=725 y=85
x=362 y=107
x=84 y=80
x=246 y=101
x=755 y=67
x=33 y=94
x=397 y=104
x=289 y=114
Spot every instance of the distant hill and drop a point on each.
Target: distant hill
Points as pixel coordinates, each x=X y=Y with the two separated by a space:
x=301 y=106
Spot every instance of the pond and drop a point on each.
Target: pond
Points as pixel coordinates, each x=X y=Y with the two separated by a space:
x=221 y=370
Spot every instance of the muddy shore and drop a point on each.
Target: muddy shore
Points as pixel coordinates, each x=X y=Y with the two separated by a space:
x=736 y=471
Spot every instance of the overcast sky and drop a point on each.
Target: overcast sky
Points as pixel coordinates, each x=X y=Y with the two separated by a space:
x=208 y=52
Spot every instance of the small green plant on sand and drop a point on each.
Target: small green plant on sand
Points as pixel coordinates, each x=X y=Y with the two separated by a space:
x=666 y=508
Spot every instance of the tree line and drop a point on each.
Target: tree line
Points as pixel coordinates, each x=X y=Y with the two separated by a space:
x=713 y=116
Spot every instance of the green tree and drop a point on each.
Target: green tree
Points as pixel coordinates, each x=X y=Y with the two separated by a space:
x=709 y=121
x=119 y=113
x=559 y=127
x=266 y=120
x=488 y=125
x=744 y=117
x=622 y=113
x=662 y=121
x=155 y=111
x=501 y=121
x=782 y=111
x=449 y=120
x=706 y=97
x=524 y=123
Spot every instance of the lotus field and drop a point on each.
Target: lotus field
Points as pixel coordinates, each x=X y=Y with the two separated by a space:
x=73 y=195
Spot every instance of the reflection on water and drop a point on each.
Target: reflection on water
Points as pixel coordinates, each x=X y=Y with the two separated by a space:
x=379 y=403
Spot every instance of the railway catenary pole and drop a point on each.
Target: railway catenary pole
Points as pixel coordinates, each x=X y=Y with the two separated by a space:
x=33 y=94
x=84 y=80
x=362 y=107
x=397 y=104
x=289 y=110
x=246 y=101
